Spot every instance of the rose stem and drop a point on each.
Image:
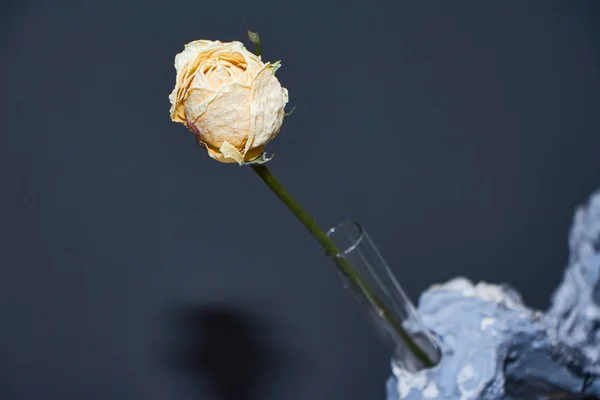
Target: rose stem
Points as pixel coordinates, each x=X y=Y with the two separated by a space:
x=342 y=263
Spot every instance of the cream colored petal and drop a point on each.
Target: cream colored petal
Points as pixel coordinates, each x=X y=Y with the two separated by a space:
x=199 y=49
x=186 y=64
x=188 y=61
x=239 y=47
x=254 y=153
x=233 y=61
x=235 y=69
x=179 y=93
x=267 y=104
x=197 y=97
x=199 y=80
x=219 y=76
x=254 y=65
x=253 y=62
x=231 y=54
x=176 y=95
x=173 y=110
x=229 y=151
x=217 y=155
x=193 y=110
x=224 y=116
x=191 y=71
x=177 y=107
x=203 y=45
x=237 y=74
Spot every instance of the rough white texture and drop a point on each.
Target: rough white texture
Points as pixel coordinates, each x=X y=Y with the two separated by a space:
x=484 y=291
x=431 y=391
x=575 y=309
x=495 y=348
x=469 y=386
x=408 y=381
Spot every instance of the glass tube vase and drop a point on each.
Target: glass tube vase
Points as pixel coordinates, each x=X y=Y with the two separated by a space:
x=393 y=311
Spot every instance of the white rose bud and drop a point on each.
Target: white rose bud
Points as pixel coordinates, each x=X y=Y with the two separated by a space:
x=229 y=98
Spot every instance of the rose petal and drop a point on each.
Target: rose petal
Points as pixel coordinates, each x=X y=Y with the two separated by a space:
x=224 y=116
x=229 y=151
x=267 y=104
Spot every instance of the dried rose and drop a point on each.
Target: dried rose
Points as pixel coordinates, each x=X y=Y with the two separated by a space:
x=229 y=98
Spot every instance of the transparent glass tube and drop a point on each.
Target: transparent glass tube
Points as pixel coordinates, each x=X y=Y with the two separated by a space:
x=394 y=306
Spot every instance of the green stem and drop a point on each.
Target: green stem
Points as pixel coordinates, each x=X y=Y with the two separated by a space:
x=342 y=263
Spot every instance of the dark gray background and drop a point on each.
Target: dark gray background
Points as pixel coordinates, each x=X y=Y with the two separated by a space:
x=461 y=135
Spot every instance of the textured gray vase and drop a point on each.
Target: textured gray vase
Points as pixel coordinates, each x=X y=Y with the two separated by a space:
x=494 y=347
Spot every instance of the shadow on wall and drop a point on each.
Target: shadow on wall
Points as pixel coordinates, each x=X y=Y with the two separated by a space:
x=227 y=349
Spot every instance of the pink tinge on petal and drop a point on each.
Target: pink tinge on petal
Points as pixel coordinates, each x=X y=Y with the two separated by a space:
x=196 y=131
x=192 y=127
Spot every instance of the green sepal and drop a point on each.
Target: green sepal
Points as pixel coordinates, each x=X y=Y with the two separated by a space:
x=287 y=114
x=255 y=39
x=262 y=159
x=275 y=66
